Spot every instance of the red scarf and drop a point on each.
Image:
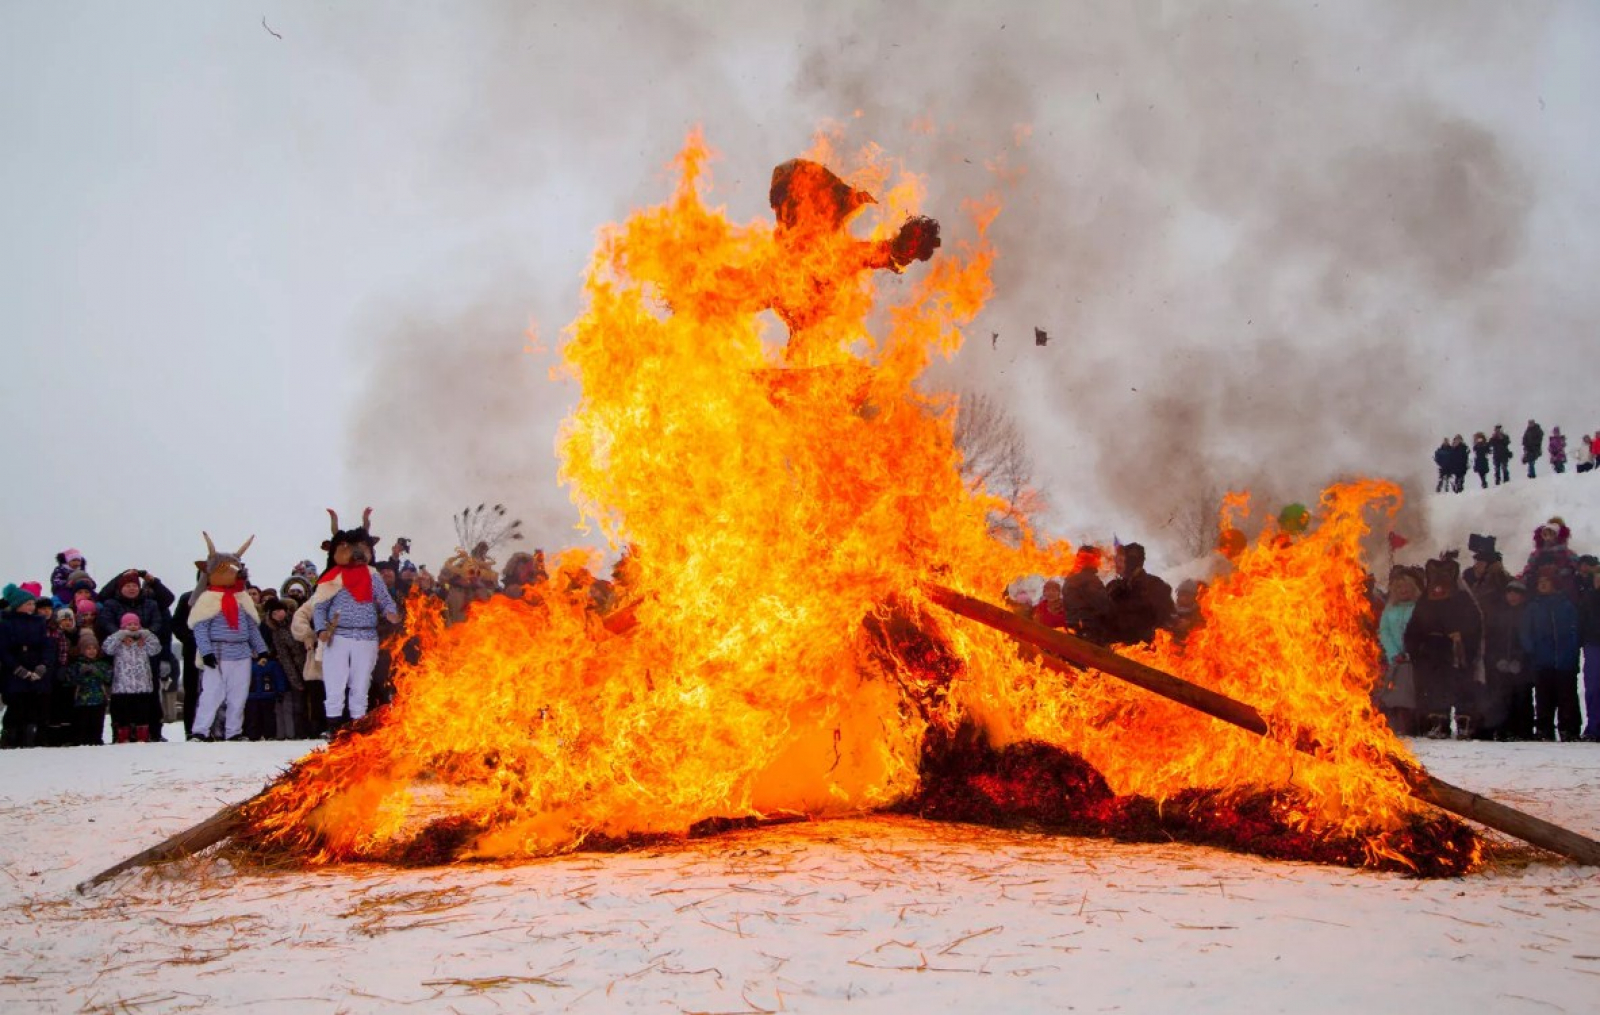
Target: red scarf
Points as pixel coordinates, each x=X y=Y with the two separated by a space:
x=357 y=580
x=230 y=602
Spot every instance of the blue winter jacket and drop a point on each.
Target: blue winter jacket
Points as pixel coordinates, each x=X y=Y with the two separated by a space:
x=1550 y=633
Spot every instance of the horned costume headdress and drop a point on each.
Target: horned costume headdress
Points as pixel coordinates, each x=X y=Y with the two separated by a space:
x=219 y=588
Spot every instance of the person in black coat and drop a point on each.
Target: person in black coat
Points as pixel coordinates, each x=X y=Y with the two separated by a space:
x=190 y=657
x=1460 y=458
x=1443 y=640
x=1508 y=694
x=1589 y=626
x=1500 y=453
x=1532 y=445
x=27 y=669
x=1442 y=456
x=1480 y=458
x=1140 y=602
x=143 y=595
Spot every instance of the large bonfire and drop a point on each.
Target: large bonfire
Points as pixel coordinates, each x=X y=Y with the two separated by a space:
x=787 y=490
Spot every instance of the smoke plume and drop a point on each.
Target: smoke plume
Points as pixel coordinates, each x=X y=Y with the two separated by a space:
x=1272 y=244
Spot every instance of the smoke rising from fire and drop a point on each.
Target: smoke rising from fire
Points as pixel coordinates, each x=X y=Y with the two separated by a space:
x=1271 y=245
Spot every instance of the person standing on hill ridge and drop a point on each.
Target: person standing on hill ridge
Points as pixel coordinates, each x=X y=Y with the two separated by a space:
x=1532 y=445
x=1500 y=452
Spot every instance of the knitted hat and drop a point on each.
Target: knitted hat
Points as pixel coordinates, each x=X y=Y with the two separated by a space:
x=130 y=620
x=68 y=556
x=65 y=613
x=33 y=589
x=86 y=607
x=80 y=580
x=15 y=597
x=1516 y=585
x=86 y=638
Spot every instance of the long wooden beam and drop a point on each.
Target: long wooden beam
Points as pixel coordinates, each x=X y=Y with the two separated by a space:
x=1063 y=649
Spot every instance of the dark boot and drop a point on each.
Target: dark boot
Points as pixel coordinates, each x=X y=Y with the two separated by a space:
x=141 y=734
x=120 y=734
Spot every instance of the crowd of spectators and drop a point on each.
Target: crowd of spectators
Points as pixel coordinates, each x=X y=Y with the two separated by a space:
x=1492 y=452
x=1491 y=654
x=1483 y=653
x=81 y=651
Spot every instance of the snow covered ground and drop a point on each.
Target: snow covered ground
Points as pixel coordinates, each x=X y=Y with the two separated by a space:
x=879 y=915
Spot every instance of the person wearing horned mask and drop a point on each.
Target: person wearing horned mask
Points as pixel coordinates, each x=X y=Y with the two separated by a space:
x=227 y=636
x=351 y=597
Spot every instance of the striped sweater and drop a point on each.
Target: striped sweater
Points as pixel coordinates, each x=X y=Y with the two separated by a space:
x=357 y=621
x=213 y=636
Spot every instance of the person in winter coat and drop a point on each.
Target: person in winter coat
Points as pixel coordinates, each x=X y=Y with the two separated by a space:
x=90 y=678
x=1550 y=549
x=300 y=626
x=1443 y=639
x=1397 y=691
x=291 y=656
x=1583 y=454
x=68 y=562
x=133 y=680
x=61 y=630
x=1500 y=452
x=1140 y=602
x=1558 y=449
x=1084 y=599
x=1187 y=616
x=26 y=669
x=1460 y=460
x=267 y=686
x=1551 y=638
x=1508 y=677
x=1487 y=578
x=1589 y=626
x=1443 y=459
x=1049 y=611
x=1480 y=458
x=1532 y=445
x=143 y=594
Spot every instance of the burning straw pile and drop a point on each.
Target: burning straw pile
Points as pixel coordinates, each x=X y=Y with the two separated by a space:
x=794 y=644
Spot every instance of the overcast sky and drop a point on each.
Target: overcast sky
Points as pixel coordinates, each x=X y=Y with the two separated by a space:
x=247 y=277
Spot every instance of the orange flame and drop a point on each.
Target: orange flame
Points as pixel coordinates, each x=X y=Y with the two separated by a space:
x=781 y=485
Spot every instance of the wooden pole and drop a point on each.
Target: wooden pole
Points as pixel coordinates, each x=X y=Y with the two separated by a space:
x=1087 y=655
x=186 y=843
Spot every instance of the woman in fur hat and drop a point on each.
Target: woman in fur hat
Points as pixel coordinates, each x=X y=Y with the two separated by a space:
x=1550 y=550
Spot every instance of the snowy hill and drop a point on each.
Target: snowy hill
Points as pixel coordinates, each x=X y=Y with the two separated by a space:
x=1510 y=513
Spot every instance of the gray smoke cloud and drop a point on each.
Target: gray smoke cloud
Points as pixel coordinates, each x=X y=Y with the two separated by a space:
x=1272 y=244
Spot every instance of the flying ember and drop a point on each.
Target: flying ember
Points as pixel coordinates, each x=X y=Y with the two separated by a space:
x=751 y=428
